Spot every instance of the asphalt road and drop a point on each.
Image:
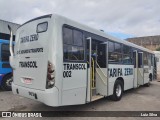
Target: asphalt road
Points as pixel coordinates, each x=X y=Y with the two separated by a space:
x=140 y=99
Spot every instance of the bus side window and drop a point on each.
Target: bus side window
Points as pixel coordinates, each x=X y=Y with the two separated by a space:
x=149 y=60
x=152 y=60
x=127 y=55
x=145 y=58
x=115 y=52
x=140 y=60
x=78 y=38
x=73 y=48
x=134 y=59
x=67 y=36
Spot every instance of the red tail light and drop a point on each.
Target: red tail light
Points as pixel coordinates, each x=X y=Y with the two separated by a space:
x=50 y=76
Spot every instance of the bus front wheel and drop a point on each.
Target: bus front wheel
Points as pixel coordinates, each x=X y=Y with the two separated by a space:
x=7 y=82
x=117 y=91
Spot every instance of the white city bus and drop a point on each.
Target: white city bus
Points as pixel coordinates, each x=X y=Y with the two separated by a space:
x=60 y=62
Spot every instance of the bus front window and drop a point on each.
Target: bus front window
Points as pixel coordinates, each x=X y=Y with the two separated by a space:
x=5 y=52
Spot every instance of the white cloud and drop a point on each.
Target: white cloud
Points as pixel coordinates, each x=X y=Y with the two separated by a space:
x=38 y=12
x=136 y=17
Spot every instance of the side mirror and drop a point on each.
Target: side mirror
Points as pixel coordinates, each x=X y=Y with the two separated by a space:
x=11 y=58
x=11 y=40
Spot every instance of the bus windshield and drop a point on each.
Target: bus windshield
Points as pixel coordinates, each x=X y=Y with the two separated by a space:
x=5 y=53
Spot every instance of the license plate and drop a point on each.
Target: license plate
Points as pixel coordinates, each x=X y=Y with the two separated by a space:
x=33 y=95
x=27 y=80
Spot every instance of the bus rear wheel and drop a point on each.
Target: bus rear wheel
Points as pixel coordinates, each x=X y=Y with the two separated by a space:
x=118 y=91
x=147 y=84
x=150 y=79
x=7 y=82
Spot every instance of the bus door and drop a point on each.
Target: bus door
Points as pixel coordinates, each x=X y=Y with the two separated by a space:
x=101 y=69
x=155 y=67
x=97 y=72
x=146 y=67
x=135 y=61
x=140 y=71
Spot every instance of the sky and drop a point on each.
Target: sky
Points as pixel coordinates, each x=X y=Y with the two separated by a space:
x=121 y=18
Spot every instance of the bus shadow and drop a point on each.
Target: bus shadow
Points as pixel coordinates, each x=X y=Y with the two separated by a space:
x=1 y=90
x=84 y=107
x=139 y=90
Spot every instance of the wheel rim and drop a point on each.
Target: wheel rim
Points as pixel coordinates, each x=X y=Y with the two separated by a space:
x=9 y=82
x=118 y=90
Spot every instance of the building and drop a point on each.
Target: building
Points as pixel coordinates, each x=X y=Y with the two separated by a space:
x=4 y=31
x=150 y=42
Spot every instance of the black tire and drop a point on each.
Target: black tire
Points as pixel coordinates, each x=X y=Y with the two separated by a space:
x=6 y=82
x=150 y=77
x=117 y=95
x=147 y=84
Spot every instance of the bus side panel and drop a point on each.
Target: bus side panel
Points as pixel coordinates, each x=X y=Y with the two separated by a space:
x=146 y=74
x=135 y=77
x=74 y=84
x=140 y=76
x=123 y=71
x=101 y=82
x=74 y=96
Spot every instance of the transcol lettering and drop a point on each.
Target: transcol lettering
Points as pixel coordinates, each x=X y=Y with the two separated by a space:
x=28 y=64
x=74 y=67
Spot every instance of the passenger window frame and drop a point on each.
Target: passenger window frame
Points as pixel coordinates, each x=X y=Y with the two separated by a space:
x=129 y=53
x=73 y=45
x=114 y=52
x=40 y=24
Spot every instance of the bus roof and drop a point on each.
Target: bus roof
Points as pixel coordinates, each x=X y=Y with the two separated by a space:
x=101 y=33
x=91 y=30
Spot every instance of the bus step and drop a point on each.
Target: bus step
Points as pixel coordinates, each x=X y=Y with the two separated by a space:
x=96 y=97
x=93 y=91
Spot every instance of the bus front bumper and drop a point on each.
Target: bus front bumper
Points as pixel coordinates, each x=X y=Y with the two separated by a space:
x=1 y=77
x=48 y=96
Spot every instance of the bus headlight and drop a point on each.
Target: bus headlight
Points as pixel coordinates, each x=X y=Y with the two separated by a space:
x=50 y=76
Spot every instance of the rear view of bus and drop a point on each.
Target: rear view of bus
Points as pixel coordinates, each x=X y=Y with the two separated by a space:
x=33 y=72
